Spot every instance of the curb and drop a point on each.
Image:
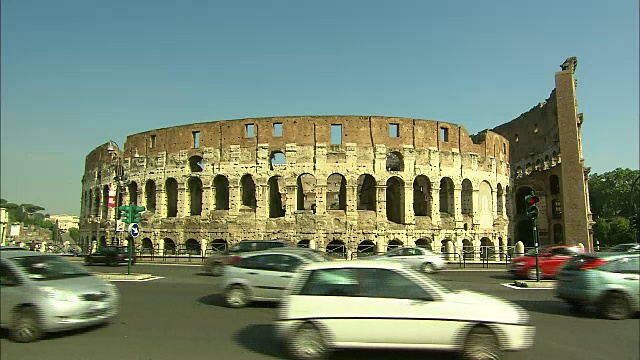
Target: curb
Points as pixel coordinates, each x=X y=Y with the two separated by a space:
x=542 y=284
x=116 y=276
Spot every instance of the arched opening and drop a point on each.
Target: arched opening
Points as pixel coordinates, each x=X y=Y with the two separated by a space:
x=487 y=249
x=171 y=186
x=366 y=248
x=528 y=169
x=424 y=243
x=395 y=200
x=90 y=203
x=446 y=196
x=554 y=158
x=467 y=249
x=508 y=207
x=192 y=246
x=467 y=197
x=196 y=164
x=103 y=240
x=132 y=188
x=421 y=196
x=248 y=191
x=395 y=162
x=306 y=199
x=221 y=185
x=336 y=192
x=366 y=192
x=169 y=246
x=558 y=234
x=146 y=246
x=218 y=245
x=277 y=199
x=525 y=233
x=395 y=243
x=105 y=202
x=519 y=172
x=195 y=195
x=277 y=158
x=539 y=165
x=554 y=184
x=150 y=195
x=305 y=243
x=547 y=162
x=337 y=249
x=499 y=199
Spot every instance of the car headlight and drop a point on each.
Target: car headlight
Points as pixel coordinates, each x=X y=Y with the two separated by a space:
x=60 y=295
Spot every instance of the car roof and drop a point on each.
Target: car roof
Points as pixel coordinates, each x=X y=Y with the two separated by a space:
x=612 y=255
x=378 y=264
x=282 y=250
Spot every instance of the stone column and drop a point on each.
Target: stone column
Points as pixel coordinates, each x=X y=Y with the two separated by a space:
x=161 y=201
x=457 y=203
x=435 y=205
x=409 y=214
x=183 y=201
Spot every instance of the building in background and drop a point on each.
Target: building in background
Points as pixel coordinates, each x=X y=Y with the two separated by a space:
x=65 y=222
x=347 y=184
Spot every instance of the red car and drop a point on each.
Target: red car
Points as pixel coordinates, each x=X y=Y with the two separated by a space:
x=550 y=259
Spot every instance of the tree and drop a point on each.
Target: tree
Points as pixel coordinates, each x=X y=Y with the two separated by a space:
x=31 y=209
x=610 y=193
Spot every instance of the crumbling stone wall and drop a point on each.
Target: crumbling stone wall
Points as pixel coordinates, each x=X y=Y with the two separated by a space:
x=324 y=208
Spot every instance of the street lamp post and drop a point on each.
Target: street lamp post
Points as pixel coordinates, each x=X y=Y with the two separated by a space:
x=119 y=178
x=633 y=209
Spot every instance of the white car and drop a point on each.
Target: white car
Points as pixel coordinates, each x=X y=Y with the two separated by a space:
x=384 y=304
x=416 y=257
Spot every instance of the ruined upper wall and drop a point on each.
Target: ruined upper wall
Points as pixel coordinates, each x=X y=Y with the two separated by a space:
x=363 y=131
x=101 y=155
x=534 y=133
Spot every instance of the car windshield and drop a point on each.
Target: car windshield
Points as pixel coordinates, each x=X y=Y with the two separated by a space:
x=532 y=251
x=49 y=267
x=315 y=256
x=624 y=247
x=432 y=282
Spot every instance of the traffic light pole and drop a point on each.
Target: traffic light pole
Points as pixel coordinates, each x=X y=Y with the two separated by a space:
x=129 y=251
x=535 y=239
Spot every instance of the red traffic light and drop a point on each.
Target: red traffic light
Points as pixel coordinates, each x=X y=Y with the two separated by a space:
x=531 y=199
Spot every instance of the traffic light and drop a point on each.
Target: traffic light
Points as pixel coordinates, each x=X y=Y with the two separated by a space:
x=633 y=221
x=532 y=208
x=135 y=213
x=125 y=213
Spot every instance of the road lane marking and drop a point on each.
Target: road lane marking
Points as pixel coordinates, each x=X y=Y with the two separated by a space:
x=525 y=288
x=147 y=279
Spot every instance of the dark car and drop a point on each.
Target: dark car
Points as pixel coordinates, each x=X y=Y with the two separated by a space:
x=109 y=255
x=630 y=248
x=215 y=263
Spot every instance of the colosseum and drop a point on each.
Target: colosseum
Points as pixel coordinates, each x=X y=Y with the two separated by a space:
x=346 y=185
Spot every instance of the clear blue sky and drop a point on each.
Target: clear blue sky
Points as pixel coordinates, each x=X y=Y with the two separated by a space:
x=78 y=73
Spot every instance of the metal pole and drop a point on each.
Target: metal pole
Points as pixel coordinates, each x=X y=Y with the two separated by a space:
x=129 y=246
x=632 y=210
x=535 y=239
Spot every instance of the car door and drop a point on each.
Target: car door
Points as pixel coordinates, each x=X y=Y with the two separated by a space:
x=627 y=276
x=558 y=256
x=10 y=293
x=272 y=273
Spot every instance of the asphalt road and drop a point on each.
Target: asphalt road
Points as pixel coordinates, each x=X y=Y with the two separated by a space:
x=181 y=316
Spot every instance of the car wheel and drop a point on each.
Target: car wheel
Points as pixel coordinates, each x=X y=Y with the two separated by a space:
x=307 y=343
x=26 y=327
x=481 y=344
x=217 y=269
x=236 y=296
x=428 y=268
x=615 y=306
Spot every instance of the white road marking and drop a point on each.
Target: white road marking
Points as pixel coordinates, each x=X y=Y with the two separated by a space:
x=134 y=280
x=525 y=288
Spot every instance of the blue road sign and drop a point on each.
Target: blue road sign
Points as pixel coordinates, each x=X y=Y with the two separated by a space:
x=134 y=230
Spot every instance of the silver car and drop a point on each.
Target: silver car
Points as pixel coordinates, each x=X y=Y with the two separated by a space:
x=416 y=257
x=48 y=293
x=263 y=275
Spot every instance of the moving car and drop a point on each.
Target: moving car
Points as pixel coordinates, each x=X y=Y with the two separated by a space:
x=550 y=258
x=416 y=257
x=110 y=255
x=610 y=282
x=263 y=275
x=215 y=263
x=46 y=293
x=631 y=247
x=385 y=304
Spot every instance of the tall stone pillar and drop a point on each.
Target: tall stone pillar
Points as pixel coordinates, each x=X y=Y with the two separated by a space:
x=409 y=214
x=435 y=205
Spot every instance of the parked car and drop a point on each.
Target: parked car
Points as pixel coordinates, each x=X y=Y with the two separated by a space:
x=110 y=255
x=416 y=257
x=263 y=275
x=385 y=304
x=632 y=248
x=550 y=258
x=610 y=282
x=215 y=263
x=47 y=293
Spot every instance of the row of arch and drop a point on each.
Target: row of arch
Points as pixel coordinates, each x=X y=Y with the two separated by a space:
x=306 y=196
x=539 y=165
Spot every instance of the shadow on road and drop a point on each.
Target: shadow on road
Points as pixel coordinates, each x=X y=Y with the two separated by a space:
x=4 y=333
x=555 y=307
x=260 y=338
